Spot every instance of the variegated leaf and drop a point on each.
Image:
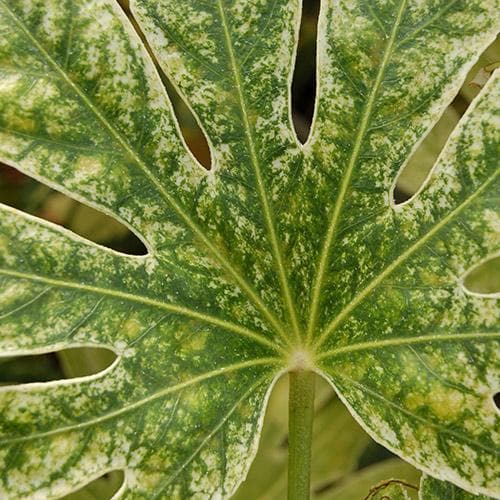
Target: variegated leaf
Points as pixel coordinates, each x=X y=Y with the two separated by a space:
x=283 y=256
x=433 y=489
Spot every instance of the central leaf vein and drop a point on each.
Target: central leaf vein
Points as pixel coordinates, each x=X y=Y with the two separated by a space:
x=278 y=257
x=346 y=179
x=407 y=341
x=185 y=311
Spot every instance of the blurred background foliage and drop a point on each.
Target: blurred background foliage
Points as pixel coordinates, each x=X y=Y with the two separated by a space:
x=347 y=463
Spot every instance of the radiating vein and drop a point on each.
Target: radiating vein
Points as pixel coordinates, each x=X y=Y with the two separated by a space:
x=268 y=216
x=438 y=15
x=435 y=375
x=400 y=260
x=181 y=310
x=407 y=341
x=47 y=140
x=375 y=17
x=81 y=322
x=194 y=228
x=148 y=330
x=346 y=179
x=137 y=404
x=25 y=304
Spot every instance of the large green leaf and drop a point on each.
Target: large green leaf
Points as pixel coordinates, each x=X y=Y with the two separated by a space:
x=282 y=256
x=433 y=489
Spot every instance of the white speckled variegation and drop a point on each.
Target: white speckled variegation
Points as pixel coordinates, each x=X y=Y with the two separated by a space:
x=433 y=489
x=281 y=253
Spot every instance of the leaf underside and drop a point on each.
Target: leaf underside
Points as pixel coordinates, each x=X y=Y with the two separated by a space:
x=281 y=256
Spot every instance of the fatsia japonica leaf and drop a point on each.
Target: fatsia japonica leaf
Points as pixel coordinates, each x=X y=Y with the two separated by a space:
x=433 y=489
x=283 y=256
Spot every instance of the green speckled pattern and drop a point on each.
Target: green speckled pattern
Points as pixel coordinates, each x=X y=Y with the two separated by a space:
x=433 y=489
x=283 y=255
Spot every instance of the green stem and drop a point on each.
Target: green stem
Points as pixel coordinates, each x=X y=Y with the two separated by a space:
x=300 y=423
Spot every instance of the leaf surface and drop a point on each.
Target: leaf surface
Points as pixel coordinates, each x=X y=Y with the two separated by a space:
x=433 y=489
x=282 y=256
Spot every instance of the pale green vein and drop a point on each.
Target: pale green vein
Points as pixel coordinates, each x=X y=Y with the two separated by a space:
x=260 y=181
x=81 y=322
x=375 y=17
x=181 y=310
x=438 y=15
x=262 y=34
x=69 y=37
x=25 y=305
x=435 y=375
x=11 y=69
x=407 y=341
x=398 y=261
x=137 y=404
x=45 y=140
x=251 y=293
x=360 y=136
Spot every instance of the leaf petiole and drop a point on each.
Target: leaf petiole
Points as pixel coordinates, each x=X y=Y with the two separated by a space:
x=300 y=425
